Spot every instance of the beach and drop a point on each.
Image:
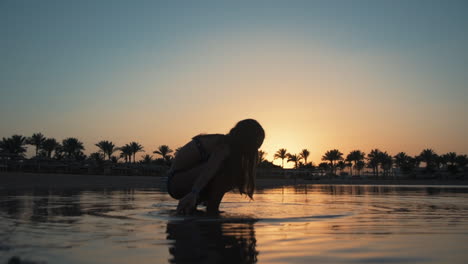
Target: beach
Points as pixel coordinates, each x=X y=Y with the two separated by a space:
x=13 y=180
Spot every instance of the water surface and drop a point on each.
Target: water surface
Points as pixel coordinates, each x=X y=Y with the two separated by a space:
x=299 y=224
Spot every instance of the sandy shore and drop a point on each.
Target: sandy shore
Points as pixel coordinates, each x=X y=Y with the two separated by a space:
x=70 y=181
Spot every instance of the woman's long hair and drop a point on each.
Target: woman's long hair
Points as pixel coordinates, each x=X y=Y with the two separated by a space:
x=244 y=140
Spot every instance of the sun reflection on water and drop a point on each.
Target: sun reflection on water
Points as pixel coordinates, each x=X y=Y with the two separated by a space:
x=295 y=224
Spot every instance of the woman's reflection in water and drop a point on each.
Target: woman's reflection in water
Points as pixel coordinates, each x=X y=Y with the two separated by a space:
x=198 y=241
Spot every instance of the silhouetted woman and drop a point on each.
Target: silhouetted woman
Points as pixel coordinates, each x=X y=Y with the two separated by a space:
x=211 y=165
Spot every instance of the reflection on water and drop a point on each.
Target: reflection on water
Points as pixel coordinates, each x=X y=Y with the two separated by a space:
x=301 y=224
x=212 y=242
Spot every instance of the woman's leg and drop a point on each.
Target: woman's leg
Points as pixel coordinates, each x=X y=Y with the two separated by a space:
x=181 y=183
x=214 y=192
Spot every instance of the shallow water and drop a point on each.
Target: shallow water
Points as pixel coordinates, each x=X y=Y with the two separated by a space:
x=302 y=224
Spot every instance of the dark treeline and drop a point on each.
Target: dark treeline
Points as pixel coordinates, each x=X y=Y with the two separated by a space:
x=333 y=161
x=72 y=149
x=380 y=162
x=68 y=156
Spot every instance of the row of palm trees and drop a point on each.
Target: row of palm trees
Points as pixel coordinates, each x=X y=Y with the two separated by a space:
x=72 y=149
x=375 y=159
x=296 y=158
x=44 y=147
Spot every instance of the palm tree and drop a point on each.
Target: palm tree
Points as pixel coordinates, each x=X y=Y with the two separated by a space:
x=359 y=166
x=304 y=154
x=106 y=147
x=37 y=139
x=72 y=147
x=58 y=152
x=355 y=156
x=164 y=151
x=441 y=161
x=401 y=159
x=136 y=147
x=374 y=159
x=324 y=166
x=126 y=152
x=14 y=145
x=114 y=159
x=294 y=158
x=49 y=145
x=146 y=159
x=451 y=159
x=462 y=161
x=281 y=154
x=332 y=156
x=341 y=165
x=386 y=162
x=261 y=156
x=96 y=157
x=429 y=157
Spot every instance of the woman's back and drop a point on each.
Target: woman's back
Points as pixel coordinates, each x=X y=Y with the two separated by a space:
x=197 y=151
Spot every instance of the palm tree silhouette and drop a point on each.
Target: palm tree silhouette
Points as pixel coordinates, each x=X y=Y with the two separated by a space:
x=126 y=152
x=450 y=161
x=14 y=145
x=146 y=159
x=374 y=159
x=72 y=147
x=294 y=158
x=359 y=166
x=135 y=147
x=386 y=162
x=304 y=154
x=429 y=157
x=341 y=165
x=106 y=147
x=37 y=139
x=462 y=161
x=58 y=152
x=332 y=156
x=281 y=154
x=49 y=145
x=97 y=157
x=164 y=151
x=324 y=166
x=401 y=159
x=404 y=162
x=355 y=156
x=451 y=158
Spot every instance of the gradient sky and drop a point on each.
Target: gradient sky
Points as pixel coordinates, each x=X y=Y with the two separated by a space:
x=316 y=74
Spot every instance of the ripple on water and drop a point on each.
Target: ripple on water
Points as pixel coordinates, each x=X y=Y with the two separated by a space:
x=325 y=225
x=167 y=212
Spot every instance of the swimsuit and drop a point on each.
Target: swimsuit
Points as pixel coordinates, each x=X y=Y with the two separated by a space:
x=204 y=156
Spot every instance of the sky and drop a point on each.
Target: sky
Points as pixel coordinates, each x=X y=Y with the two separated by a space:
x=316 y=74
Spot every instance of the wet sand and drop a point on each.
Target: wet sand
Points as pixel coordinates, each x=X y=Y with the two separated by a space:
x=10 y=180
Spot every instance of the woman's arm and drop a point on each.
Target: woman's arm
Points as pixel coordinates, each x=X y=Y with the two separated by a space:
x=213 y=166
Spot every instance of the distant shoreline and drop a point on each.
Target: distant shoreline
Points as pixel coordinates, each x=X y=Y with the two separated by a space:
x=12 y=181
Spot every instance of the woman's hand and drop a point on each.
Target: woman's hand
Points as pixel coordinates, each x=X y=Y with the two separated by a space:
x=188 y=204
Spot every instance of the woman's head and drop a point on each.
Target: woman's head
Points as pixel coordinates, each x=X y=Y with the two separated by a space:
x=244 y=139
x=247 y=135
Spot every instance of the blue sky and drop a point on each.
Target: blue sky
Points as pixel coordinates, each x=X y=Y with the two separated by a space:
x=138 y=70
